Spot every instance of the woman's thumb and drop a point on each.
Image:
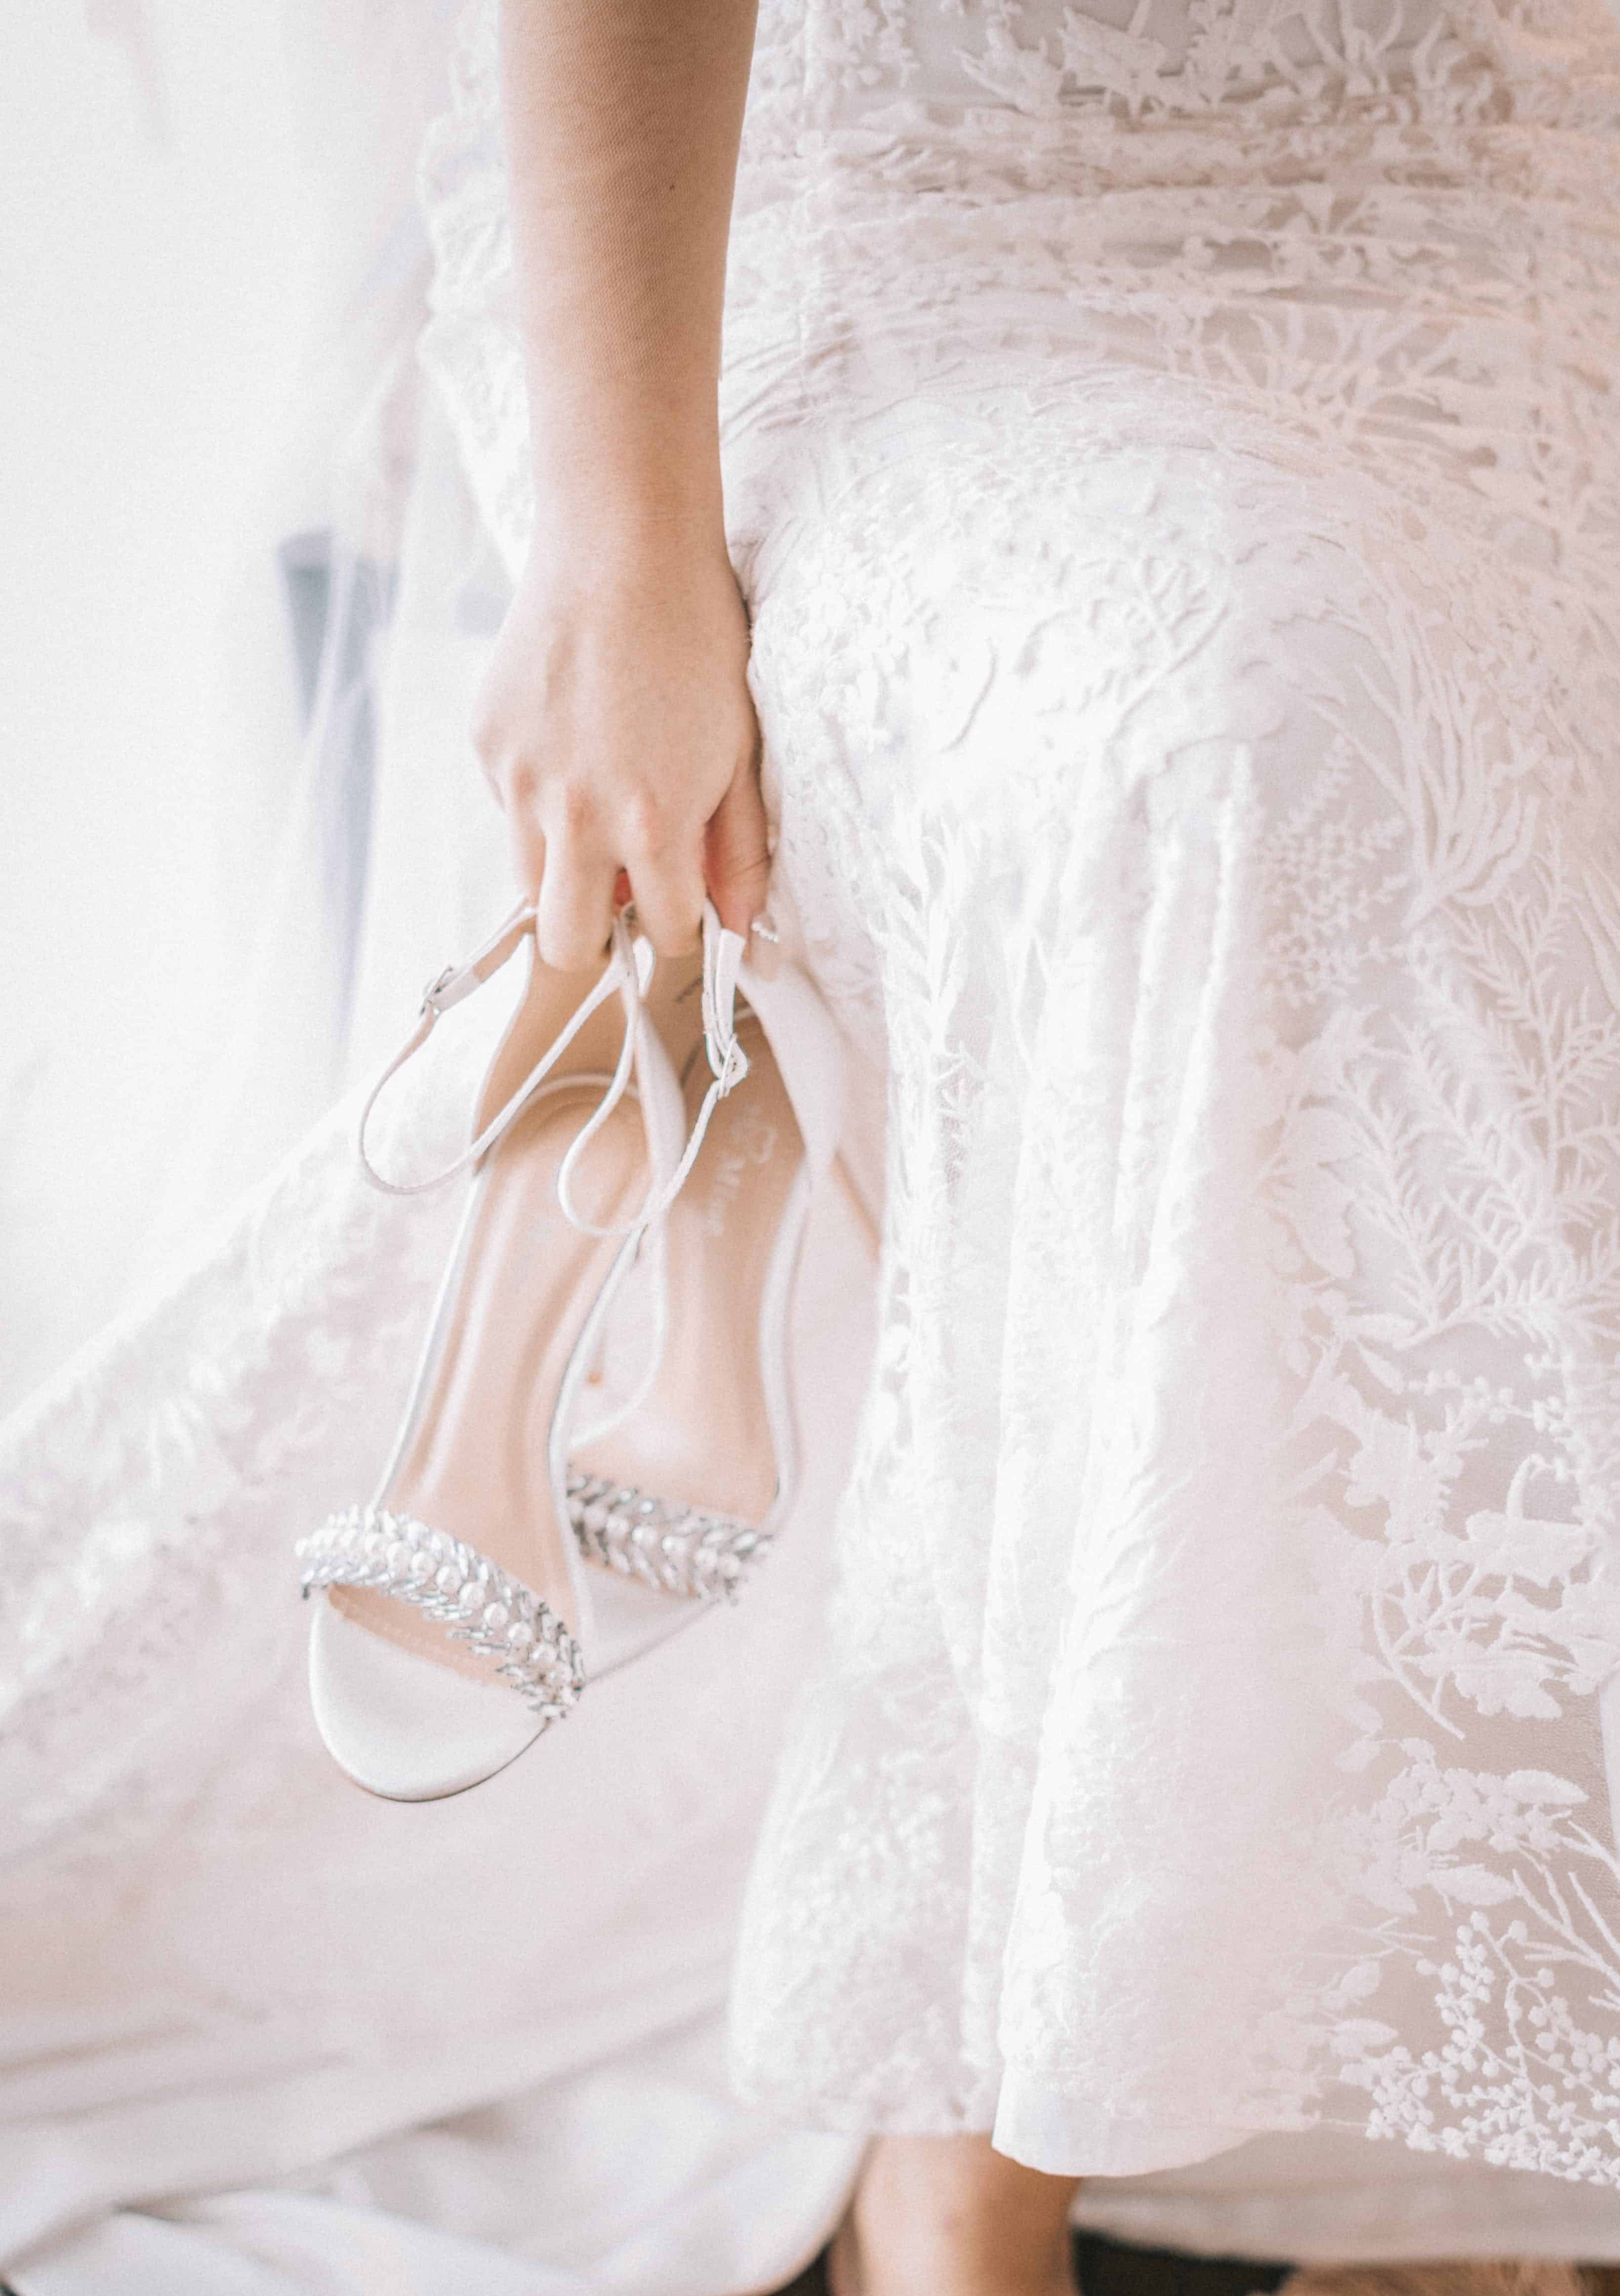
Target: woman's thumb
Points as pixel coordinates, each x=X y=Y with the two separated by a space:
x=736 y=863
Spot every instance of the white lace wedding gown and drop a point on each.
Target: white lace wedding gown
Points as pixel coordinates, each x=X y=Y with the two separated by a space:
x=1171 y=462
x=1173 y=465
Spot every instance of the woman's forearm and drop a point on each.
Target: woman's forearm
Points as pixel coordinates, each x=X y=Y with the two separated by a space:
x=622 y=120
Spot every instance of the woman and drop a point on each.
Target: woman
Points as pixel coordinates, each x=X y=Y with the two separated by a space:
x=1166 y=472
x=1167 y=469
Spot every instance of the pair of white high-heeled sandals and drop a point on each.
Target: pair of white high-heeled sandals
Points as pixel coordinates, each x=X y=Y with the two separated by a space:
x=454 y=1623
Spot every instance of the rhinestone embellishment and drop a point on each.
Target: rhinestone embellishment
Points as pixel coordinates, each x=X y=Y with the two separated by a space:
x=479 y=1602
x=679 y=1549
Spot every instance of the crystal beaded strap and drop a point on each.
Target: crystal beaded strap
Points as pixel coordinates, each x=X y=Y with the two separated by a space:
x=679 y=1549
x=481 y=1605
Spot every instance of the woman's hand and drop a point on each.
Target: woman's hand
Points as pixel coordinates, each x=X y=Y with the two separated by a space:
x=615 y=721
x=616 y=727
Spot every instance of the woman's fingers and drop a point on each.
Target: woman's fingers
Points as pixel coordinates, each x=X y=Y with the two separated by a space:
x=578 y=883
x=610 y=722
x=574 y=914
x=581 y=883
x=736 y=858
x=667 y=886
x=515 y=794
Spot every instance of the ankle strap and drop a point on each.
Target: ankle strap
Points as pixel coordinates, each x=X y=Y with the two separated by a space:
x=723 y=952
x=626 y=974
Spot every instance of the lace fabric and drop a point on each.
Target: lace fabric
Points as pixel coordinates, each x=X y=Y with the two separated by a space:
x=1171 y=462
x=1223 y=1582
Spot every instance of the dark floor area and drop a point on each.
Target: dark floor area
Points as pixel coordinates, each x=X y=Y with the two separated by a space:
x=1107 y=2268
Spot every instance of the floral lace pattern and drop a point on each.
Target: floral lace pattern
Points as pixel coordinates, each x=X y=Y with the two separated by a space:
x=1172 y=462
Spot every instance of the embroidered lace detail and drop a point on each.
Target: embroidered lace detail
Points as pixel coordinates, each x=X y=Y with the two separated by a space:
x=463 y=1591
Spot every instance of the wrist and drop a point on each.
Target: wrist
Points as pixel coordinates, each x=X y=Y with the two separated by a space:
x=643 y=456
x=627 y=521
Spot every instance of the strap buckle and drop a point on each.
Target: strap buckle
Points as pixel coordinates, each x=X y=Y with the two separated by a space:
x=448 y=988
x=458 y=981
x=431 y=994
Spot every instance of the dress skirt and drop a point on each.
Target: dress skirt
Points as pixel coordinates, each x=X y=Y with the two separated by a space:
x=1212 y=1732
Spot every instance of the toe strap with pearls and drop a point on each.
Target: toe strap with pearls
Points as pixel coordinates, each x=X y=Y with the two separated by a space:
x=472 y=1597
x=678 y=1549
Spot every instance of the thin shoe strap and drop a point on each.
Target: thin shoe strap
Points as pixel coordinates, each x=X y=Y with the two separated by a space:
x=631 y=985
x=630 y=957
x=657 y=1199
x=722 y=954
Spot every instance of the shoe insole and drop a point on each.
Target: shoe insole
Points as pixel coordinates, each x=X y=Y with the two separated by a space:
x=700 y=1435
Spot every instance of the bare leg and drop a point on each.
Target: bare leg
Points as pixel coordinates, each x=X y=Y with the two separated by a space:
x=947 y=2215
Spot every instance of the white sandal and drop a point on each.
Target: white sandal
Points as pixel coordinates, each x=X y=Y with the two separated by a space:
x=414 y=1703
x=457 y=1585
